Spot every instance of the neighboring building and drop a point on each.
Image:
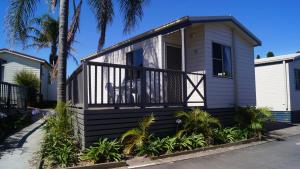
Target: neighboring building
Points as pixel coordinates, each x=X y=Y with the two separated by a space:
x=11 y=62
x=278 y=86
x=191 y=62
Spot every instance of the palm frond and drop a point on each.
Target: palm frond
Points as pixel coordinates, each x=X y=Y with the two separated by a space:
x=104 y=12
x=73 y=57
x=147 y=121
x=132 y=11
x=181 y=114
x=130 y=133
x=17 y=19
x=52 y=3
x=74 y=27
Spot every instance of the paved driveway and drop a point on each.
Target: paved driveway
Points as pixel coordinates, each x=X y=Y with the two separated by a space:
x=273 y=155
x=23 y=153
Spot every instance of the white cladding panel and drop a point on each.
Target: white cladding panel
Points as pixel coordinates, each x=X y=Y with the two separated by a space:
x=270 y=87
x=220 y=91
x=16 y=64
x=245 y=72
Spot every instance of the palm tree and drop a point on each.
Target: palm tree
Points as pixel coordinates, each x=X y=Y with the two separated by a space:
x=253 y=119
x=197 y=121
x=135 y=138
x=20 y=12
x=44 y=34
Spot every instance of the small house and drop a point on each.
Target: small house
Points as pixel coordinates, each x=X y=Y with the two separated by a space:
x=12 y=62
x=278 y=86
x=204 y=62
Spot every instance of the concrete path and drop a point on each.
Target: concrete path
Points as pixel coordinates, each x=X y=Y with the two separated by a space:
x=272 y=155
x=19 y=150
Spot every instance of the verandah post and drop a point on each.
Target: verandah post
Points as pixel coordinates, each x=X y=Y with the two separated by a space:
x=143 y=87
x=85 y=86
x=8 y=97
x=184 y=84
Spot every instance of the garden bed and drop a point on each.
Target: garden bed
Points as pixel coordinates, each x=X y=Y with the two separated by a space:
x=213 y=147
x=198 y=131
x=102 y=165
x=92 y=166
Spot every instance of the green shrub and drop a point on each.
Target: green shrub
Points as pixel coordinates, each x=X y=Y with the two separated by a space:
x=32 y=82
x=228 y=135
x=103 y=151
x=59 y=150
x=197 y=141
x=60 y=147
x=183 y=143
x=197 y=121
x=135 y=138
x=157 y=146
x=253 y=119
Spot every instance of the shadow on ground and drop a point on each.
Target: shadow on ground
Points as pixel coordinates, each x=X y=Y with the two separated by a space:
x=19 y=138
x=277 y=126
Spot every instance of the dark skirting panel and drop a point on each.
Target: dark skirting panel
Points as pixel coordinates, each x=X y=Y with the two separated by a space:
x=93 y=124
x=287 y=116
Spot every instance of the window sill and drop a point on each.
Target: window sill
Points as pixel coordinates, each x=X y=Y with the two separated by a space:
x=223 y=77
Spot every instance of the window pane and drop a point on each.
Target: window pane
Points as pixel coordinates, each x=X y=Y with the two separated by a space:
x=217 y=51
x=129 y=58
x=217 y=67
x=297 y=79
x=1 y=73
x=129 y=62
x=227 y=61
x=138 y=57
x=134 y=58
x=297 y=74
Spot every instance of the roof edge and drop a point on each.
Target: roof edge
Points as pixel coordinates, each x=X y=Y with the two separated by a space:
x=25 y=56
x=276 y=59
x=185 y=21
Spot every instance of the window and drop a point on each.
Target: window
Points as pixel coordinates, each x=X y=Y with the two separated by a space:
x=49 y=78
x=1 y=72
x=134 y=58
x=222 y=63
x=297 y=78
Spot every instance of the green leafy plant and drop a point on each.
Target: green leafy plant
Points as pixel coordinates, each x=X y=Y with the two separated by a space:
x=135 y=138
x=228 y=135
x=197 y=121
x=157 y=146
x=60 y=147
x=103 y=151
x=253 y=119
x=59 y=150
x=183 y=143
x=31 y=81
x=197 y=141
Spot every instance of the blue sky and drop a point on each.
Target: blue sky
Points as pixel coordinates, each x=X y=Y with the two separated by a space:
x=275 y=22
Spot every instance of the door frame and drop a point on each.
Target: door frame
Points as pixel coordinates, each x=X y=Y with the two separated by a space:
x=166 y=53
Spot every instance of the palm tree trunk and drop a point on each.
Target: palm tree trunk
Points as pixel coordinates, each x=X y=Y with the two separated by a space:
x=63 y=53
x=53 y=54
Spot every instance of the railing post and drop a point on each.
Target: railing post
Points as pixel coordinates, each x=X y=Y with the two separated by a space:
x=25 y=96
x=143 y=87
x=8 y=97
x=85 y=86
